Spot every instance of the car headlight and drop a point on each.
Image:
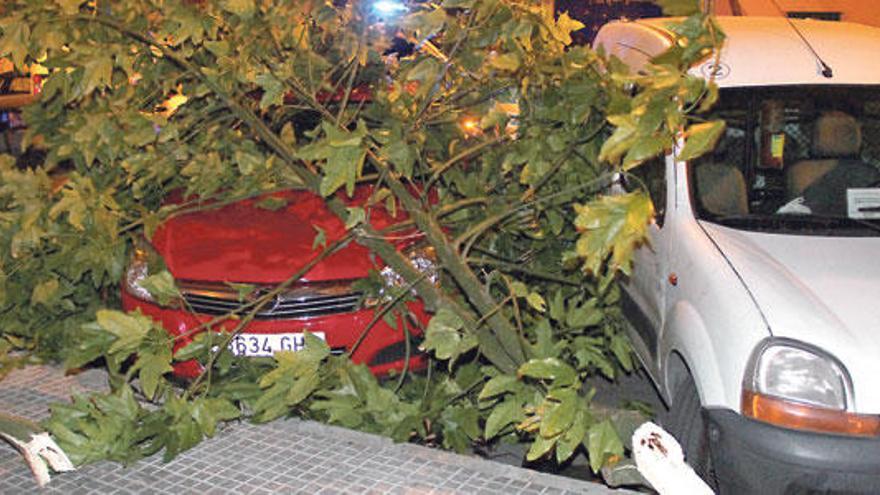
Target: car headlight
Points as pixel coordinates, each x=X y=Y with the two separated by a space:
x=795 y=385
x=144 y=262
x=423 y=258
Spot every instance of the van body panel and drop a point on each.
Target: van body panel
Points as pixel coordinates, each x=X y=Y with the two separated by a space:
x=827 y=275
x=633 y=43
x=709 y=298
x=760 y=51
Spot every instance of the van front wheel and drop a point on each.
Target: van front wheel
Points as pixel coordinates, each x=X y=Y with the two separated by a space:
x=685 y=421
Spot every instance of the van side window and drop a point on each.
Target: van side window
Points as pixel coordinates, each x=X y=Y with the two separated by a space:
x=652 y=176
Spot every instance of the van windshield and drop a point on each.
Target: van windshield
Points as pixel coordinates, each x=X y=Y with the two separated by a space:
x=795 y=159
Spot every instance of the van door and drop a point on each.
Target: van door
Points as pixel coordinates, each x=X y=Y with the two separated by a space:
x=643 y=297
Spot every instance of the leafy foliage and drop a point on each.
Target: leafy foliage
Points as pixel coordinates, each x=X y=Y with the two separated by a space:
x=495 y=137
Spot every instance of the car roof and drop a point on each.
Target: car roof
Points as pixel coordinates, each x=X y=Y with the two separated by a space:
x=761 y=51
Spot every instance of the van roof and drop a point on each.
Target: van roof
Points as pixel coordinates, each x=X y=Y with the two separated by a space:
x=761 y=51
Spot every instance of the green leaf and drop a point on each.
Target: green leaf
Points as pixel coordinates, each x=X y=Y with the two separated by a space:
x=162 y=287
x=97 y=426
x=190 y=27
x=546 y=346
x=679 y=7
x=344 y=153
x=183 y=432
x=519 y=289
x=499 y=385
x=244 y=8
x=540 y=447
x=303 y=387
x=590 y=352
x=98 y=74
x=273 y=90
x=548 y=369
x=425 y=72
x=572 y=437
x=199 y=347
x=15 y=41
x=69 y=7
x=585 y=315
x=271 y=203
x=603 y=443
x=564 y=26
x=460 y=427
x=355 y=216
x=426 y=23
x=342 y=169
x=560 y=414
x=248 y=161
x=91 y=343
x=242 y=291
x=508 y=61
x=73 y=204
x=503 y=414
x=203 y=414
x=129 y=329
x=621 y=139
x=536 y=301
x=401 y=155
x=622 y=351
x=287 y=134
x=644 y=149
x=151 y=367
x=612 y=225
x=444 y=336
x=701 y=138
x=458 y=4
x=320 y=237
x=44 y=292
x=557 y=306
x=316 y=349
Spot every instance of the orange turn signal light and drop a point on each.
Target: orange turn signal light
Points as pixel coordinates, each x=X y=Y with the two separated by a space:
x=799 y=416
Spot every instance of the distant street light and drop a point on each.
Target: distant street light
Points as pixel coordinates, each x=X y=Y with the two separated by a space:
x=389 y=8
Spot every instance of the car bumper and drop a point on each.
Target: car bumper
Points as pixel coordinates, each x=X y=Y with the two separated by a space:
x=754 y=457
x=383 y=348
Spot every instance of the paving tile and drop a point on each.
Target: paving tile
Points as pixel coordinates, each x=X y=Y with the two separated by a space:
x=287 y=456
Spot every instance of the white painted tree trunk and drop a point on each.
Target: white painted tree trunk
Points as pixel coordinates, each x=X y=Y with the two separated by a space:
x=660 y=459
x=35 y=446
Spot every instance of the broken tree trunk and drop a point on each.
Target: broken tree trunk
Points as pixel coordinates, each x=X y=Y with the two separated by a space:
x=35 y=446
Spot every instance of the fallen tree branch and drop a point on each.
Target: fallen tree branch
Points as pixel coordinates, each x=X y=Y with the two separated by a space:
x=36 y=446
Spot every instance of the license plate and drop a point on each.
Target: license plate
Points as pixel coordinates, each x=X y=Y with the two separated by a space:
x=267 y=344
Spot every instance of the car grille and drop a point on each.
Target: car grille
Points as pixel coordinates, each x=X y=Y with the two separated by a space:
x=305 y=300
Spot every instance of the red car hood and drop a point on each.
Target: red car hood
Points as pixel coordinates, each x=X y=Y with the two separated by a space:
x=243 y=243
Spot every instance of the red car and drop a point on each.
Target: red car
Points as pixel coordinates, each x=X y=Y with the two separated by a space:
x=209 y=252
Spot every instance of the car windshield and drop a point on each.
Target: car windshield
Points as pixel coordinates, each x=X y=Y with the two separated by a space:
x=797 y=159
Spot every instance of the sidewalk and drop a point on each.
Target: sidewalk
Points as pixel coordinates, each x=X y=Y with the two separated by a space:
x=285 y=456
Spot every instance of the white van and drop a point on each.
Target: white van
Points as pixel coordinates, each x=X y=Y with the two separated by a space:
x=756 y=307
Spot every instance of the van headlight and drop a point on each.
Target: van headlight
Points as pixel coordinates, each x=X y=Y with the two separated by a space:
x=423 y=258
x=791 y=384
x=144 y=261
